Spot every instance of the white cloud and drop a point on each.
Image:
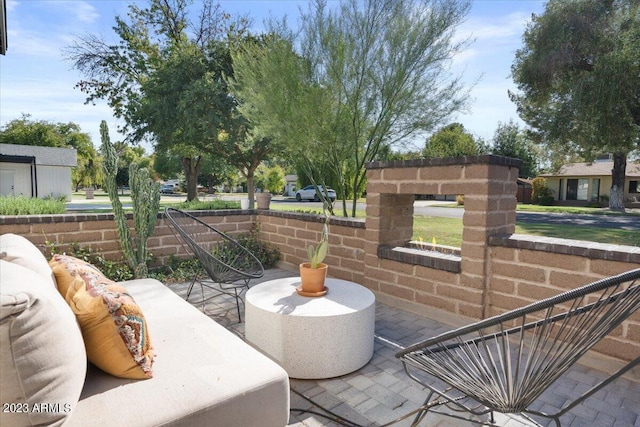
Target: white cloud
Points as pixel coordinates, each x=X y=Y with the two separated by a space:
x=503 y=29
x=25 y=42
x=82 y=10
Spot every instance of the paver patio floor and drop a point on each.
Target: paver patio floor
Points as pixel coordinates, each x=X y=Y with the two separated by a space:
x=381 y=392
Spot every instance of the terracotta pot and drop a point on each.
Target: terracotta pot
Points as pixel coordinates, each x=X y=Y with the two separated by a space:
x=313 y=278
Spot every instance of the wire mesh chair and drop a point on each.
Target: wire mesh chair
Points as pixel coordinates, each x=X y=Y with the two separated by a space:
x=229 y=265
x=506 y=362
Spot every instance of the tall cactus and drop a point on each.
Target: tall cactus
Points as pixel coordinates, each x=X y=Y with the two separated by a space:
x=145 y=195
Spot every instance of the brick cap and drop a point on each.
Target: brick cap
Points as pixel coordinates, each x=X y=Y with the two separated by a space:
x=593 y=250
x=448 y=161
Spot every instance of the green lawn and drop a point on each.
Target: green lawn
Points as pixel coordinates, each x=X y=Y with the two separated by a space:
x=448 y=231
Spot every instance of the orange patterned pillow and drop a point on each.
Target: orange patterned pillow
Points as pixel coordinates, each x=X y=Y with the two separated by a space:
x=113 y=327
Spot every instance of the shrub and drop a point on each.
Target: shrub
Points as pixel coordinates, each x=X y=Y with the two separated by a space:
x=21 y=205
x=197 y=205
x=546 y=200
x=267 y=254
x=177 y=270
x=114 y=270
x=541 y=194
x=460 y=199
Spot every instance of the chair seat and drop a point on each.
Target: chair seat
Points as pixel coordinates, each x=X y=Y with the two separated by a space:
x=228 y=264
x=506 y=362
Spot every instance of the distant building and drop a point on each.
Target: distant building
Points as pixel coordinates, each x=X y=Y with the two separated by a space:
x=579 y=183
x=290 y=186
x=34 y=171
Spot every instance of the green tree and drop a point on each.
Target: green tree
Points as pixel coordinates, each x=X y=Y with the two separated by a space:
x=164 y=78
x=510 y=141
x=452 y=141
x=368 y=74
x=579 y=78
x=25 y=131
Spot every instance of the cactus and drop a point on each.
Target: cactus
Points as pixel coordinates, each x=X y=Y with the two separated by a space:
x=317 y=254
x=145 y=195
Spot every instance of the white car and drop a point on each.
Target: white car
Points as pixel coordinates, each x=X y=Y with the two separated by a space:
x=309 y=193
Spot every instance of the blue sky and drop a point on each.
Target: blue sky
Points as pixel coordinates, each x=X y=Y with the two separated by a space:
x=34 y=78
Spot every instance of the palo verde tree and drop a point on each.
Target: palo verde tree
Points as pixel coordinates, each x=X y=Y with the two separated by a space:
x=578 y=76
x=367 y=74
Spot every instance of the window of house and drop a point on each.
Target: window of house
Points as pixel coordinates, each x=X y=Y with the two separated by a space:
x=577 y=189
x=595 y=189
x=633 y=187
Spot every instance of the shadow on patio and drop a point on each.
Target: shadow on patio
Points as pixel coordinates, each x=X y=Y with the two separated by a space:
x=380 y=392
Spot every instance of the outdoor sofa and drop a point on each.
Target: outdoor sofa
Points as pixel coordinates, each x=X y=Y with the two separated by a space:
x=202 y=374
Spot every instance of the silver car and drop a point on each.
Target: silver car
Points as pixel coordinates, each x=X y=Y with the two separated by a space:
x=309 y=193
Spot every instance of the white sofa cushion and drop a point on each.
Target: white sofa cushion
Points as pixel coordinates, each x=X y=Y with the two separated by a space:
x=204 y=375
x=18 y=250
x=42 y=355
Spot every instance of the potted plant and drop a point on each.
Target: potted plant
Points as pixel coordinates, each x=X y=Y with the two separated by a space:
x=314 y=272
x=263 y=199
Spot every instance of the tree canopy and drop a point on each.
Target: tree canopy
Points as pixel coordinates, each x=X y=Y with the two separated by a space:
x=165 y=79
x=452 y=140
x=510 y=141
x=367 y=74
x=578 y=77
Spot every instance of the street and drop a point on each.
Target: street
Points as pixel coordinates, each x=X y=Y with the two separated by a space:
x=426 y=208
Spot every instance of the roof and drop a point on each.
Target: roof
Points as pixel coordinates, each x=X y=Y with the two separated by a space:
x=46 y=156
x=594 y=169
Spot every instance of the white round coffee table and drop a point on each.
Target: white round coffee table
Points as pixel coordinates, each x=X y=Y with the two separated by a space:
x=312 y=338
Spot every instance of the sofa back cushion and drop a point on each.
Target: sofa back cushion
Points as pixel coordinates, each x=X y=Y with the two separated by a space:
x=113 y=327
x=42 y=355
x=18 y=250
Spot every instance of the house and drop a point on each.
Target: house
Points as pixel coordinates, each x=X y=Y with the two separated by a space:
x=579 y=183
x=290 y=186
x=35 y=171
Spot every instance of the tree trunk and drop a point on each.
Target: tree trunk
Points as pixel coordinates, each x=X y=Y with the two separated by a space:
x=210 y=181
x=191 y=166
x=618 y=173
x=250 y=189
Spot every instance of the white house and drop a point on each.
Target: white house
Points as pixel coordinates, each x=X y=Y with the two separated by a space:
x=290 y=186
x=34 y=171
x=578 y=183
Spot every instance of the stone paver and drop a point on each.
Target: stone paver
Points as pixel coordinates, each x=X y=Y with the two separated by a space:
x=381 y=392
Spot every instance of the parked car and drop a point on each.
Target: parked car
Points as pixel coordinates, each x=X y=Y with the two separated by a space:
x=309 y=193
x=166 y=189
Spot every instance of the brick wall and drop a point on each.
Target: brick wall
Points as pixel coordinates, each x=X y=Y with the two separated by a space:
x=99 y=231
x=495 y=272
x=525 y=269
x=292 y=233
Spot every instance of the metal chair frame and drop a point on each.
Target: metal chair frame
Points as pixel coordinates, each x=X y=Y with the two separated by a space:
x=228 y=264
x=506 y=362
